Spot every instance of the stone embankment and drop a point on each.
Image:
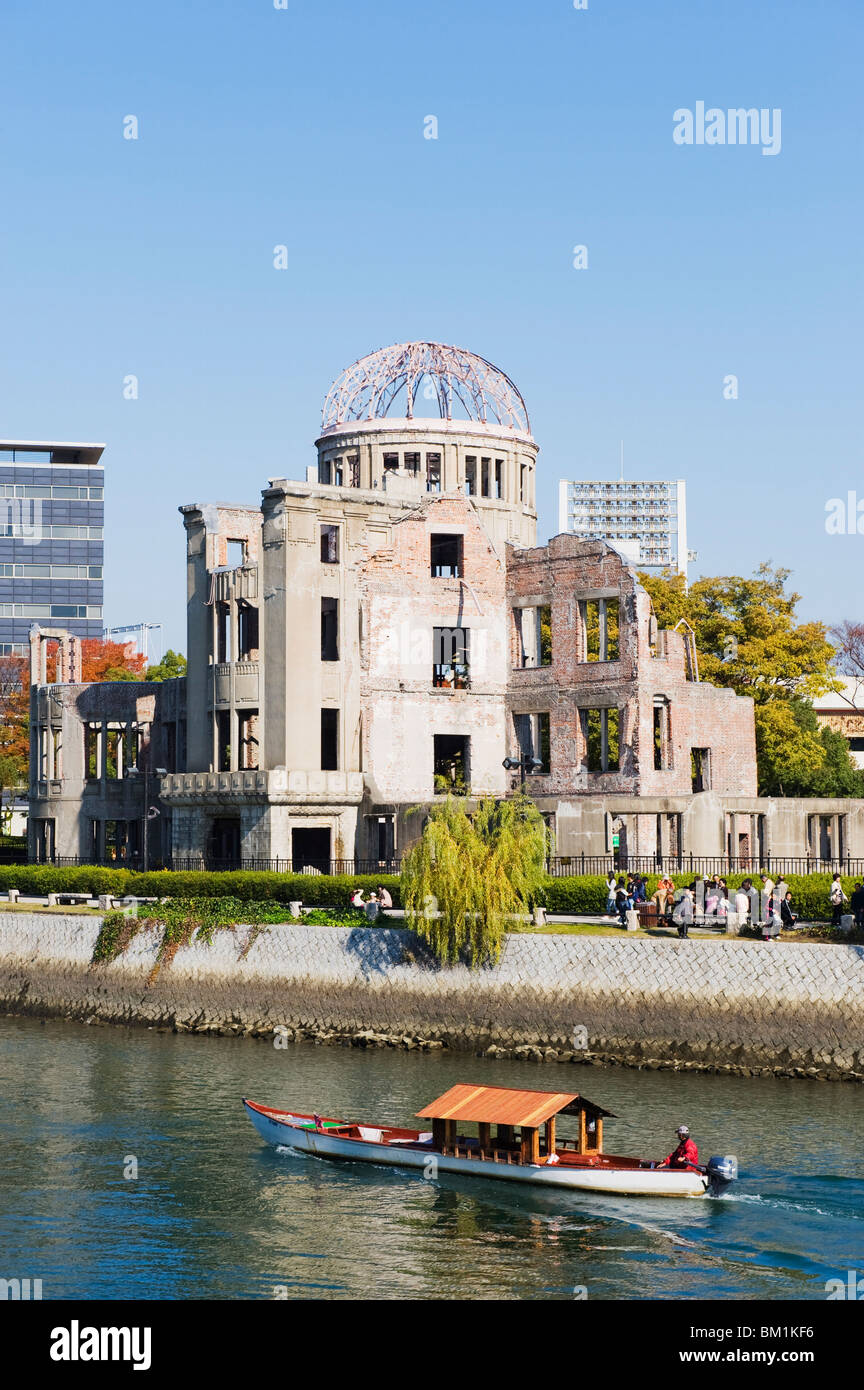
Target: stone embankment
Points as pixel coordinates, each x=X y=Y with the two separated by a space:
x=751 y=1007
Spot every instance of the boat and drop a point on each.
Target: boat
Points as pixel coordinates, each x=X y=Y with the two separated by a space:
x=518 y=1152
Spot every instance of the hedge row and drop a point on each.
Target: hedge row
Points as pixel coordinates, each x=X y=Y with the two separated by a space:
x=585 y=895
x=313 y=889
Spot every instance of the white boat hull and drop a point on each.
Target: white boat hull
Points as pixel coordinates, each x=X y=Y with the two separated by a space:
x=635 y=1182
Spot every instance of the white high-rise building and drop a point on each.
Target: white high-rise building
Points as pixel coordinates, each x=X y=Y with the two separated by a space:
x=645 y=521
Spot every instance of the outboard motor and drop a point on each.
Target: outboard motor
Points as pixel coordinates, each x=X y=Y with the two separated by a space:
x=722 y=1169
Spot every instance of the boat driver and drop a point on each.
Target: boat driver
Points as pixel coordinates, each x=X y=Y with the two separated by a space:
x=686 y=1154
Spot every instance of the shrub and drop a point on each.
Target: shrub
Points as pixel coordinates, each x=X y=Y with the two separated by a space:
x=311 y=889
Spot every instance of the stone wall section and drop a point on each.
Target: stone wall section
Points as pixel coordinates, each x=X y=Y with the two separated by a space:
x=792 y=1008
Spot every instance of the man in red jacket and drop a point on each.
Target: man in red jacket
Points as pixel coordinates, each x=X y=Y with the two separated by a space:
x=686 y=1154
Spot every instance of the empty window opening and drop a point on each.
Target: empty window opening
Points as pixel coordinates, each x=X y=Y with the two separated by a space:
x=451 y=666
x=45 y=840
x=121 y=839
x=247 y=631
x=92 y=741
x=57 y=752
x=484 y=477
x=600 y=629
x=499 y=479
x=224 y=840
x=329 y=740
x=600 y=735
x=433 y=472
x=451 y=770
x=533 y=739
x=330 y=545
x=223 y=740
x=662 y=734
x=353 y=466
x=325 y=471
x=248 y=729
x=825 y=836
x=337 y=473
x=383 y=839
x=223 y=632
x=391 y=463
x=412 y=464
x=113 y=752
x=235 y=554
x=329 y=629
x=470 y=475
x=523 y=482
x=533 y=635
x=446 y=557
x=310 y=849
x=700 y=769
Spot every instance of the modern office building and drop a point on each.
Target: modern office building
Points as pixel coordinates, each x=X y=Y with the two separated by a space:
x=646 y=522
x=51 y=540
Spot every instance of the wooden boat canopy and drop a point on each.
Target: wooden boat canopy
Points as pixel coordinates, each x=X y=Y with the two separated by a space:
x=506 y=1105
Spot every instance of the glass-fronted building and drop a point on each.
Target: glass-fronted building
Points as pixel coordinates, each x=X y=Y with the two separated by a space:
x=51 y=540
x=645 y=521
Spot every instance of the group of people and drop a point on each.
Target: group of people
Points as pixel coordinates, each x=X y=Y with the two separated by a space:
x=375 y=903
x=764 y=902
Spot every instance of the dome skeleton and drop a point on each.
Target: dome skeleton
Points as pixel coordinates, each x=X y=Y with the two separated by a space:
x=367 y=389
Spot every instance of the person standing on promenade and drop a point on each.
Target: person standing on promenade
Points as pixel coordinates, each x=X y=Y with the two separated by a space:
x=663 y=895
x=837 y=898
x=856 y=903
x=610 y=894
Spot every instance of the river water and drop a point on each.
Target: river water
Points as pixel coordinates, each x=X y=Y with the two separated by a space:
x=215 y=1213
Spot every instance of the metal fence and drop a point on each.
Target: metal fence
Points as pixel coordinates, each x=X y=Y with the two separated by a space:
x=562 y=866
x=559 y=866
x=205 y=864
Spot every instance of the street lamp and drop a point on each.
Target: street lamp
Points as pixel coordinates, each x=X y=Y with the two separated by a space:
x=525 y=764
x=150 y=812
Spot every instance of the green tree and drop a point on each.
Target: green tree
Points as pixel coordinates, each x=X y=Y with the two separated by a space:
x=173 y=664
x=13 y=774
x=469 y=874
x=748 y=639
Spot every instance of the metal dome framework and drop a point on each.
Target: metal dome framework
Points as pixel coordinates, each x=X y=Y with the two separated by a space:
x=369 y=387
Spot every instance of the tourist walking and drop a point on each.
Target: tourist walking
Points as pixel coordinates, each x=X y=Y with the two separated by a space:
x=611 y=886
x=622 y=901
x=837 y=898
x=683 y=914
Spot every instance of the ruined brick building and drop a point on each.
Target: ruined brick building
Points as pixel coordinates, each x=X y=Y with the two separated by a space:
x=387 y=630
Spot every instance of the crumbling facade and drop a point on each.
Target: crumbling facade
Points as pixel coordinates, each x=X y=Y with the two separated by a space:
x=386 y=632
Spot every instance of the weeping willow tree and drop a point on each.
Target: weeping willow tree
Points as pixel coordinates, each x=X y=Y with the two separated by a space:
x=470 y=873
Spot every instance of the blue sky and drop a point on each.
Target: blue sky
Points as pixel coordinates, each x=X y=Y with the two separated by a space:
x=304 y=127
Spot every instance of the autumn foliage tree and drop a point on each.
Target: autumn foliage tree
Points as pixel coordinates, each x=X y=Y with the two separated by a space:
x=14 y=725
x=749 y=640
x=110 y=661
